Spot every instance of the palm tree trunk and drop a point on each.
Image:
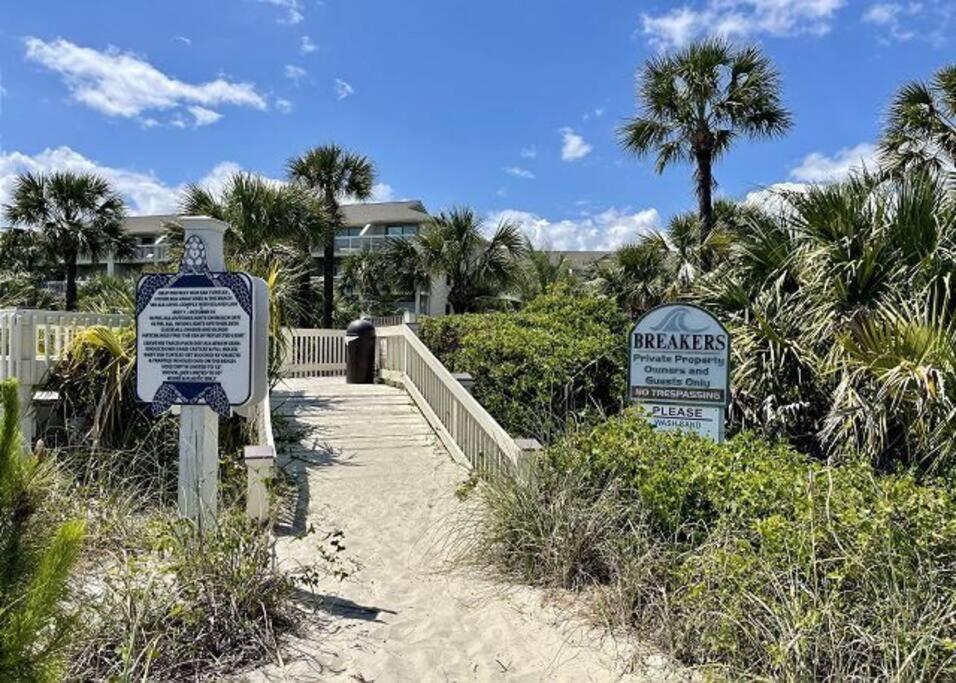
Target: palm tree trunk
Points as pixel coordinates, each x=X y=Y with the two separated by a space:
x=458 y=300
x=70 y=280
x=705 y=188
x=328 y=272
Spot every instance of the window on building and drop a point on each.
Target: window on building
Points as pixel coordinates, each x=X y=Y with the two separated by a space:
x=401 y=230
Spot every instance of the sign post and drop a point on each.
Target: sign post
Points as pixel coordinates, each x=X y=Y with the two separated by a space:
x=200 y=340
x=679 y=369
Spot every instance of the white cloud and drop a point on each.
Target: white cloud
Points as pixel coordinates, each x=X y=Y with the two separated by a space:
x=519 y=172
x=283 y=105
x=903 y=21
x=307 y=46
x=382 y=192
x=293 y=10
x=820 y=168
x=143 y=191
x=529 y=152
x=204 y=116
x=183 y=39
x=121 y=84
x=602 y=231
x=596 y=113
x=739 y=19
x=294 y=73
x=772 y=198
x=215 y=181
x=343 y=89
x=573 y=146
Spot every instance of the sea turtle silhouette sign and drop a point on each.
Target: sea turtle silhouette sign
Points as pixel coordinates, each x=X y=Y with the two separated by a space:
x=679 y=365
x=194 y=335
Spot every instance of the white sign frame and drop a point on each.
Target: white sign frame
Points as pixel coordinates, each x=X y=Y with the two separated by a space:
x=660 y=324
x=163 y=391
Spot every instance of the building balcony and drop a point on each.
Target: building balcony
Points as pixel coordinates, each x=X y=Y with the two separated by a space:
x=144 y=253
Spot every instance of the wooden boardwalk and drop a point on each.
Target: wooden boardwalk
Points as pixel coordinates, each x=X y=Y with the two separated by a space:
x=370 y=466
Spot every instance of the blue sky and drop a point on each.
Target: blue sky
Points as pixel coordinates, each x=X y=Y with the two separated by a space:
x=506 y=106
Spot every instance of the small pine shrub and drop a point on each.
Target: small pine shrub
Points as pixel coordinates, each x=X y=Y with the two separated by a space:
x=36 y=558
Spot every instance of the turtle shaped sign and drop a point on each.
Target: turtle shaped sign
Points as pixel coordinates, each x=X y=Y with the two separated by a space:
x=194 y=336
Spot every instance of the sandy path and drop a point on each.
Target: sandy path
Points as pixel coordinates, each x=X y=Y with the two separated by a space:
x=376 y=472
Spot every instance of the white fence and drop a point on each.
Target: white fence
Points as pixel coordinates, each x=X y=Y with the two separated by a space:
x=313 y=352
x=397 y=319
x=460 y=421
x=31 y=342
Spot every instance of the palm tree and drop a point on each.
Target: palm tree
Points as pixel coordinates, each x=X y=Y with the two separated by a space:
x=921 y=128
x=74 y=213
x=273 y=228
x=452 y=245
x=365 y=277
x=696 y=102
x=331 y=174
x=542 y=272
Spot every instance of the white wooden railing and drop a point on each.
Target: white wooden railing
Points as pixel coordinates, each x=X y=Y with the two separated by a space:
x=313 y=352
x=31 y=342
x=461 y=422
x=392 y=320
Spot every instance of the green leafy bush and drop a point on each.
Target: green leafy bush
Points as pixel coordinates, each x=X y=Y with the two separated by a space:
x=561 y=358
x=37 y=555
x=744 y=556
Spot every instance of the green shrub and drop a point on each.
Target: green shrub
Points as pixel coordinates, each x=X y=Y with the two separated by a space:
x=560 y=359
x=744 y=556
x=37 y=555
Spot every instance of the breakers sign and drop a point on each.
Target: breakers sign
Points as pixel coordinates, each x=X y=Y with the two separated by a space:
x=679 y=363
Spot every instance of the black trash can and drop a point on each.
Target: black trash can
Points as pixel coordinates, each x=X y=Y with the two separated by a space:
x=360 y=352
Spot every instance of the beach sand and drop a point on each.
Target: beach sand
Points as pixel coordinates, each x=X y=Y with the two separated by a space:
x=373 y=470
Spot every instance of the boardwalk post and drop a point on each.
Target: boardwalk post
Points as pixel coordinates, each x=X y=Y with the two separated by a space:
x=24 y=351
x=199 y=424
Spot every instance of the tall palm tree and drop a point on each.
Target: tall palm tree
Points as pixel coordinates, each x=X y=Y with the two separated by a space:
x=74 y=213
x=262 y=214
x=696 y=102
x=476 y=267
x=273 y=228
x=331 y=174
x=921 y=128
x=542 y=272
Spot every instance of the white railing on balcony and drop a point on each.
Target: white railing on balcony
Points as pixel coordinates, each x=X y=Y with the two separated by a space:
x=461 y=422
x=143 y=253
x=313 y=352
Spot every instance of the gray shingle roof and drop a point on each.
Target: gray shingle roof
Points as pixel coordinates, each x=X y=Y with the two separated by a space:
x=385 y=212
x=148 y=225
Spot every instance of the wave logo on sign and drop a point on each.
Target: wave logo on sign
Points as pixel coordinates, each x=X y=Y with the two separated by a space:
x=676 y=321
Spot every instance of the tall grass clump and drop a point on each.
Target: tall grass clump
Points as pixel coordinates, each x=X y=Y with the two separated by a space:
x=37 y=556
x=188 y=605
x=746 y=558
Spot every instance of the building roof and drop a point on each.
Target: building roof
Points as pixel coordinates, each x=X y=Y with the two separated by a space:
x=412 y=211
x=384 y=212
x=580 y=259
x=148 y=225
